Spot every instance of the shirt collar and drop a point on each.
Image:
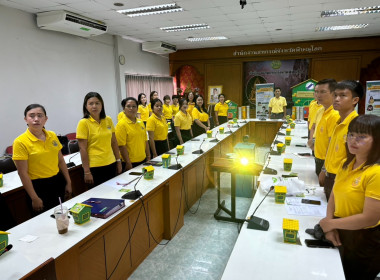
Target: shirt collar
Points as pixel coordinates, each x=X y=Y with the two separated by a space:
x=349 y=118
x=33 y=138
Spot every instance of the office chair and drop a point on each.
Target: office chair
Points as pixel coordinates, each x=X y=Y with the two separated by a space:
x=73 y=146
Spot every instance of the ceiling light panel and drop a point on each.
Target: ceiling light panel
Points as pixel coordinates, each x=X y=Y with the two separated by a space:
x=350 y=12
x=185 y=27
x=200 y=39
x=151 y=10
x=341 y=27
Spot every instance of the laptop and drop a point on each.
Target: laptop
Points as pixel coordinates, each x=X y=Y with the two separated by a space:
x=104 y=207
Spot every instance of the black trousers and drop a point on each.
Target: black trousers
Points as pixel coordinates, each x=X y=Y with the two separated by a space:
x=329 y=183
x=197 y=130
x=360 y=253
x=161 y=146
x=186 y=135
x=102 y=174
x=49 y=190
x=222 y=119
x=276 y=116
x=318 y=165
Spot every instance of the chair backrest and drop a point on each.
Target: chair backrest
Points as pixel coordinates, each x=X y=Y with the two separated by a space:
x=44 y=271
x=73 y=146
x=9 y=150
x=7 y=165
x=64 y=141
x=71 y=136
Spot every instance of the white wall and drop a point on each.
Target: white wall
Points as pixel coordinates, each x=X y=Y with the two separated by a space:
x=57 y=70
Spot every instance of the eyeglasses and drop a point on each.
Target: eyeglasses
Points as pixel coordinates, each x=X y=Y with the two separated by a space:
x=358 y=138
x=131 y=107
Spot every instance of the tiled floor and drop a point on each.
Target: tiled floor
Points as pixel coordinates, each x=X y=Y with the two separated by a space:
x=201 y=249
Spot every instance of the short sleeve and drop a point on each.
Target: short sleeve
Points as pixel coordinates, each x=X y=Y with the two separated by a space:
x=82 y=129
x=139 y=110
x=216 y=109
x=19 y=151
x=150 y=125
x=121 y=134
x=373 y=181
x=177 y=120
x=270 y=103
x=285 y=104
x=195 y=114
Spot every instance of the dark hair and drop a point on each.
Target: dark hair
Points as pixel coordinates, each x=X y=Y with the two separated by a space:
x=154 y=102
x=277 y=88
x=151 y=95
x=139 y=98
x=181 y=101
x=166 y=97
x=175 y=96
x=187 y=98
x=86 y=113
x=330 y=82
x=130 y=98
x=366 y=124
x=33 y=106
x=123 y=103
x=355 y=87
x=203 y=105
x=221 y=94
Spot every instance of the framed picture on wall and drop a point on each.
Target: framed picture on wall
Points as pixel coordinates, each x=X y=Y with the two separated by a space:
x=213 y=92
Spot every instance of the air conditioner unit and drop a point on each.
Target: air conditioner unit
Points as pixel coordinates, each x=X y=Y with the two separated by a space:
x=158 y=47
x=71 y=23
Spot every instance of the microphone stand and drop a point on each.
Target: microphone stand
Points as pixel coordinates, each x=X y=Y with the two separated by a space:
x=135 y=194
x=200 y=151
x=216 y=139
x=175 y=166
x=230 y=131
x=256 y=222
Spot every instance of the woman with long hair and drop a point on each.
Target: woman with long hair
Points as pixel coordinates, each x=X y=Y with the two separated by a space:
x=221 y=109
x=143 y=110
x=39 y=161
x=200 y=116
x=353 y=213
x=97 y=142
x=167 y=110
x=190 y=102
x=182 y=123
x=153 y=95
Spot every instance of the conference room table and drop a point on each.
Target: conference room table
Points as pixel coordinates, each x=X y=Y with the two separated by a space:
x=263 y=254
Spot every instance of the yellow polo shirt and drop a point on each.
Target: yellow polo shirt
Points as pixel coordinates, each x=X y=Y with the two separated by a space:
x=158 y=126
x=167 y=112
x=42 y=156
x=144 y=112
x=277 y=104
x=133 y=136
x=203 y=117
x=150 y=108
x=175 y=109
x=98 y=136
x=353 y=186
x=336 y=151
x=221 y=109
x=190 y=107
x=121 y=115
x=324 y=130
x=313 y=108
x=182 y=120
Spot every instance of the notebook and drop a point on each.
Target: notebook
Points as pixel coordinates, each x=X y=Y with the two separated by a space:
x=104 y=207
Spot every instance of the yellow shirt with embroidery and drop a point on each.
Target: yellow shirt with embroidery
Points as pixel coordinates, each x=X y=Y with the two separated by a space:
x=221 y=109
x=121 y=115
x=336 y=151
x=182 y=120
x=190 y=107
x=167 y=112
x=158 y=126
x=277 y=104
x=353 y=186
x=144 y=112
x=175 y=109
x=313 y=109
x=42 y=156
x=98 y=136
x=324 y=130
x=133 y=136
x=203 y=117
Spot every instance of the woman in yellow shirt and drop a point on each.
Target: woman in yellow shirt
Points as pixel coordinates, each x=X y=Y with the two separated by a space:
x=39 y=161
x=131 y=137
x=143 y=110
x=97 y=142
x=200 y=117
x=221 y=109
x=157 y=128
x=121 y=115
x=182 y=123
x=175 y=106
x=190 y=102
x=353 y=213
x=153 y=95
x=167 y=110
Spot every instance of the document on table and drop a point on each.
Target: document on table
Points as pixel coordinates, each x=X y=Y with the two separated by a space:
x=294 y=206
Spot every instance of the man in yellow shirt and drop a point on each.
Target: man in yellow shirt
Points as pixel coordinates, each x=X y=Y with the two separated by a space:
x=347 y=94
x=277 y=105
x=324 y=90
x=314 y=106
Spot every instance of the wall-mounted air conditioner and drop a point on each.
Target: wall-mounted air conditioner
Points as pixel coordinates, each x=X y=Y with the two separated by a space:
x=158 y=47
x=71 y=23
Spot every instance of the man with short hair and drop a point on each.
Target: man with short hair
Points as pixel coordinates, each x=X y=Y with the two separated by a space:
x=346 y=95
x=277 y=105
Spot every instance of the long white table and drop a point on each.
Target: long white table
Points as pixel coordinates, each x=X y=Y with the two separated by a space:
x=263 y=254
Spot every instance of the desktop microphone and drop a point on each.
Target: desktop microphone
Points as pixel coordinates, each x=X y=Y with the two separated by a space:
x=175 y=166
x=216 y=139
x=200 y=151
x=256 y=222
x=8 y=248
x=229 y=128
x=281 y=133
x=71 y=164
x=135 y=194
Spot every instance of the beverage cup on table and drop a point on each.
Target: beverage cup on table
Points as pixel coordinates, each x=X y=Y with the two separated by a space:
x=61 y=219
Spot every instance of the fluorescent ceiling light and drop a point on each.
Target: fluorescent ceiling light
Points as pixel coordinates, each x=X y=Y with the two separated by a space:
x=191 y=39
x=185 y=27
x=341 y=27
x=350 y=12
x=151 y=10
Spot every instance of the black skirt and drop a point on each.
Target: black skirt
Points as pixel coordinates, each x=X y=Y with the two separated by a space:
x=222 y=119
x=186 y=135
x=102 y=174
x=197 y=130
x=161 y=146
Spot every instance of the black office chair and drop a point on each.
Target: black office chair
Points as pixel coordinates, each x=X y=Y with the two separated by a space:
x=7 y=165
x=73 y=146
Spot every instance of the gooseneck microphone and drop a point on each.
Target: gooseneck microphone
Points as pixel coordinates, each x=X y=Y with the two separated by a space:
x=8 y=248
x=200 y=151
x=256 y=222
x=175 y=166
x=229 y=128
x=216 y=139
x=135 y=194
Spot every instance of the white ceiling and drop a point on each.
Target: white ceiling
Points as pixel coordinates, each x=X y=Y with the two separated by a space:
x=255 y=24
